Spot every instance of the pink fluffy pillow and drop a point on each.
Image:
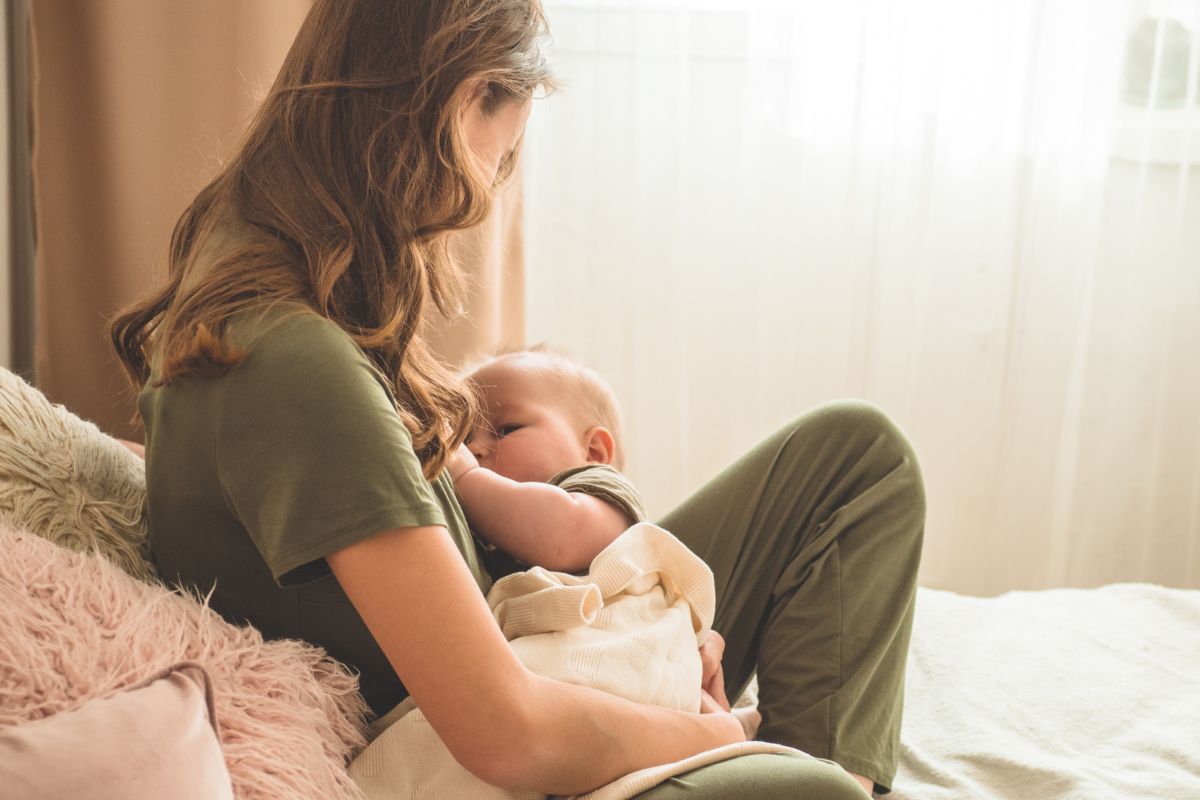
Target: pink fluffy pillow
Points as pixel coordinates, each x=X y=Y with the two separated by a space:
x=75 y=627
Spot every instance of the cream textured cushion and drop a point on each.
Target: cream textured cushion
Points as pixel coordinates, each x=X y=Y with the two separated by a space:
x=153 y=740
x=74 y=627
x=64 y=480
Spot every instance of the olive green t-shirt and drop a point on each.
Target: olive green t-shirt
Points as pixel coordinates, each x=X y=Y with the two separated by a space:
x=601 y=480
x=255 y=476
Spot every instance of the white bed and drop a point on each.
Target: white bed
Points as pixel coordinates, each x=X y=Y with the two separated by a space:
x=1048 y=695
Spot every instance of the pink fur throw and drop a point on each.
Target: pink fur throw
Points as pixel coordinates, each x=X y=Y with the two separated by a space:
x=75 y=627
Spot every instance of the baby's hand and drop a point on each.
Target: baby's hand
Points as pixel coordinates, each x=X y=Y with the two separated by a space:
x=461 y=463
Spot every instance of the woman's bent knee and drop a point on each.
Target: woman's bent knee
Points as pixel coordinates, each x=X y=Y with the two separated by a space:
x=854 y=428
x=855 y=419
x=829 y=781
x=761 y=776
x=858 y=441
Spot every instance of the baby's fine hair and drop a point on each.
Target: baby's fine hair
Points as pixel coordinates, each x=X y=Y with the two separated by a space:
x=590 y=393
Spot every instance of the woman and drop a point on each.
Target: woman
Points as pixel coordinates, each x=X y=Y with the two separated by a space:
x=298 y=428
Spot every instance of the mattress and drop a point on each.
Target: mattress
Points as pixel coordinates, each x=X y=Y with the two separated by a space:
x=1048 y=695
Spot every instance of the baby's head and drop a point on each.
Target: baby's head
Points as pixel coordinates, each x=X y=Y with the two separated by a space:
x=542 y=413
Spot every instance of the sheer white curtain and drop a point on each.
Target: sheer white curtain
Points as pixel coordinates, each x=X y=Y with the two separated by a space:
x=981 y=215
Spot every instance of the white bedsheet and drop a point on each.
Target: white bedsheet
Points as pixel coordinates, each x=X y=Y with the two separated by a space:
x=1055 y=694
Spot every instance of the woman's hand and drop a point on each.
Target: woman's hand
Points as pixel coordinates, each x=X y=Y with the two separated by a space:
x=712 y=678
x=712 y=689
x=733 y=722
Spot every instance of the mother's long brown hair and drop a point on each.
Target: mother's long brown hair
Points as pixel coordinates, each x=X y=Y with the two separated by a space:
x=350 y=176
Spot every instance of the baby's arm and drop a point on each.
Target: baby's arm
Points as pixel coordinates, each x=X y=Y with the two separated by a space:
x=535 y=522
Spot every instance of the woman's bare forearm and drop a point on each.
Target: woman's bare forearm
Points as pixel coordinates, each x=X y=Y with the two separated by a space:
x=583 y=738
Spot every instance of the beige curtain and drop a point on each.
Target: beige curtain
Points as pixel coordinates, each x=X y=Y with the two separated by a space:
x=6 y=103
x=136 y=103
x=16 y=297
x=493 y=258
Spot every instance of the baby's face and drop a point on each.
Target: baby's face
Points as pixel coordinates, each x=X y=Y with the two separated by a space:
x=528 y=432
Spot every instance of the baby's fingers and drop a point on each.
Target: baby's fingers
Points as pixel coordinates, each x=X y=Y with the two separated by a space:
x=711 y=653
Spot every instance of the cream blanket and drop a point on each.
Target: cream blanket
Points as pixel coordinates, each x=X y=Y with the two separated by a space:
x=631 y=626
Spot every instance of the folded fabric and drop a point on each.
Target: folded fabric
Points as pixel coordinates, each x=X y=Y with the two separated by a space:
x=631 y=626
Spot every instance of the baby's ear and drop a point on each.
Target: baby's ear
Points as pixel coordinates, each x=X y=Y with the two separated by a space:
x=600 y=445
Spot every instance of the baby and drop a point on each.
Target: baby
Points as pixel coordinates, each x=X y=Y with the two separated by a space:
x=538 y=478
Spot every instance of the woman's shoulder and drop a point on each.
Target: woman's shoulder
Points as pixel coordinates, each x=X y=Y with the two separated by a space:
x=288 y=340
x=287 y=351
x=288 y=326
x=294 y=365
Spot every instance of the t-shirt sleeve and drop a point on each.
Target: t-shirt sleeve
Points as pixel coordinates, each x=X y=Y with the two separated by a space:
x=601 y=480
x=310 y=452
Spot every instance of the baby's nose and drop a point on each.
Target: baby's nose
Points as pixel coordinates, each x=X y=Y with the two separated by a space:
x=480 y=446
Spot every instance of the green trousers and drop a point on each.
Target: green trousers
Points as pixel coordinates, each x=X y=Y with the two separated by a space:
x=814 y=538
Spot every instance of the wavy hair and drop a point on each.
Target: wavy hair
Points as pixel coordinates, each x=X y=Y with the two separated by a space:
x=350 y=176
